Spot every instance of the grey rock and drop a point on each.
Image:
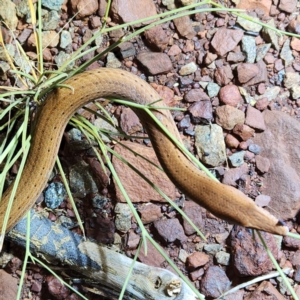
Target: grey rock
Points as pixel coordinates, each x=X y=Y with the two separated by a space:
x=210 y=145
x=99 y=201
x=22 y=9
x=112 y=61
x=81 y=180
x=249 y=25
x=254 y=148
x=55 y=194
x=51 y=20
x=188 y=69
x=270 y=35
x=52 y=4
x=222 y=258
x=261 y=51
x=212 y=89
x=8 y=15
x=65 y=39
x=286 y=53
x=4 y=67
x=237 y=158
x=123 y=217
x=249 y=48
x=61 y=58
x=291 y=79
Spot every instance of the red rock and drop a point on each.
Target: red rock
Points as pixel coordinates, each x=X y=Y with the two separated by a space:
x=166 y=94
x=193 y=211
x=196 y=260
x=246 y=71
x=8 y=286
x=153 y=257
x=170 y=230
x=288 y=6
x=294 y=25
x=262 y=163
x=295 y=44
x=262 y=75
x=233 y=175
x=196 y=95
x=226 y=40
x=228 y=116
x=269 y=58
x=174 y=50
x=201 y=110
x=133 y=240
x=184 y=27
x=56 y=288
x=157 y=37
x=253 y=5
x=249 y=256
x=278 y=64
x=196 y=274
x=155 y=63
x=230 y=95
x=131 y=180
x=262 y=104
x=223 y=75
x=231 y=141
x=243 y=131
x=265 y=291
x=149 y=213
x=280 y=144
x=255 y=119
x=124 y=11
x=83 y=10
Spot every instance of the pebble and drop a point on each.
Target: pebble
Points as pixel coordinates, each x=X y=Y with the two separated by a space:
x=55 y=194
x=249 y=48
x=230 y=95
x=201 y=111
x=123 y=217
x=223 y=258
x=237 y=158
x=65 y=39
x=212 y=89
x=254 y=148
x=52 y=4
x=188 y=69
x=228 y=116
x=155 y=63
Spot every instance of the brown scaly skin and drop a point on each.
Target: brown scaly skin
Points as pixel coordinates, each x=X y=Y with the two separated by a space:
x=223 y=201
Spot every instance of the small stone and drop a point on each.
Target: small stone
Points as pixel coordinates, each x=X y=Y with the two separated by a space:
x=201 y=110
x=249 y=48
x=184 y=27
x=55 y=194
x=149 y=213
x=193 y=211
x=286 y=53
x=196 y=274
x=262 y=200
x=210 y=144
x=291 y=80
x=123 y=217
x=53 y=4
x=61 y=58
x=65 y=39
x=214 y=282
x=174 y=50
x=127 y=49
x=262 y=104
x=8 y=14
x=231 y=141
x=212 y=89
x=254 y=148
x=183 y=255
x=212 y=249
x=56 y=288
x=51 y=20
x=254 y=118
x=157 y=37
x=188 y=69
x=295 y=44
x=237 y=158
x=155 y=63
x=231 y=176
x=81 y=8
x=196 y=95
x=170 y=230
x=246 y=71
x=223 y=258
x=243 y=131
x=196 y=260
x=228 y=116
x=288 y=6
x=230 y=95
x=226 y=40
x=112 y=61
x=223 y=75
x=262 y=163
